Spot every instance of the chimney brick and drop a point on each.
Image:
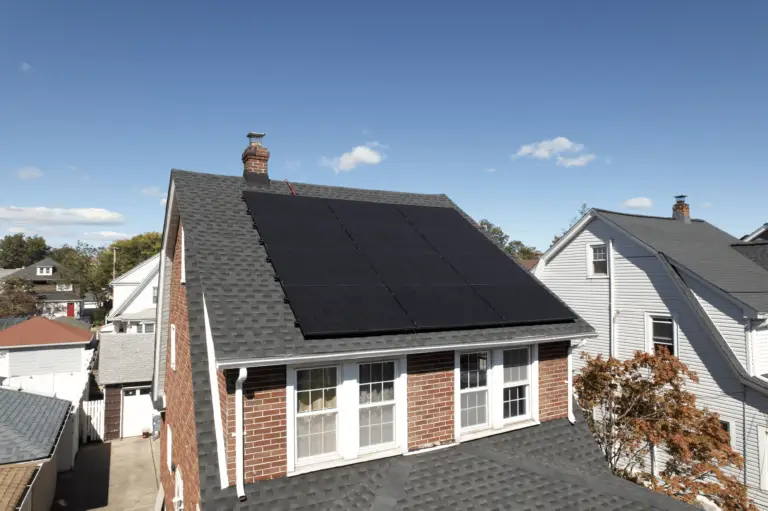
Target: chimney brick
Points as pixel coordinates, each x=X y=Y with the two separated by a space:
x=256 y=160
x=681 y=210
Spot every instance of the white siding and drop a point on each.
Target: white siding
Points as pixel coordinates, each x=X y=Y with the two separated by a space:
x=29 y=362
x=757 y=406
x=143 y=300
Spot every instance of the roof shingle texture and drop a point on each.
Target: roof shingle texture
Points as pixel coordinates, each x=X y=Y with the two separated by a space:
x=126 y=358
x=238 y=281
x=29 y=425
x=756 y=252
x=39 y=331
x=13 y=482
x=30 y=272
x=703 y=249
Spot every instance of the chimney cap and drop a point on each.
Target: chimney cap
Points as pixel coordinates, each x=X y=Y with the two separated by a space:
x=255 y=137
x=680 y=198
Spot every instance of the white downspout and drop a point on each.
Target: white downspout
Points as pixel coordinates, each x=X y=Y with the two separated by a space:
x=571 y=416
x=614 y=349
x=239 y=433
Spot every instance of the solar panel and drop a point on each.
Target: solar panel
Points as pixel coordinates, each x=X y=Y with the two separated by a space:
x=322 y=267
x=524 y=303
x=412 y=267
x=445 y=307
x=330 y=311
x=376 y=226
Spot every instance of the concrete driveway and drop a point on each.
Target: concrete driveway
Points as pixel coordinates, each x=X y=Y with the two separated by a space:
x=113 y=476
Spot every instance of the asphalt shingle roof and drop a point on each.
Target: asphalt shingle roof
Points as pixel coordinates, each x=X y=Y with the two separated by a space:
x=239 y=282
x=756 y=251
x=703 y=249
x=30 y=272
x=13 y=483
x=29 y=425
x=126 y=358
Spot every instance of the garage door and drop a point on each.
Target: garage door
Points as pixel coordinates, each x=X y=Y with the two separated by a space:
x=137 y=411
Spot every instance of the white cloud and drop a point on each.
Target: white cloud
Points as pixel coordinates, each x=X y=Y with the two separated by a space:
x=27 y=173
x=164 y=201
x=25 y=67
x=581 y=160
x=638 y=203
x=360 y=155
x=16 y=230
x=491 y=170
x=152 y=191
x=59 y=216
x=545 y=149
x=705 y=205
x=105 y=236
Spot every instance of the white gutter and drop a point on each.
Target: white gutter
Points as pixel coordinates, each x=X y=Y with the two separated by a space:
x=614 y=350
x=239 y=433
x=571 y=416
x=326 y=357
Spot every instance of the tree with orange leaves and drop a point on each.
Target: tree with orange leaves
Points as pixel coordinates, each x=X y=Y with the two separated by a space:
x=637 y=406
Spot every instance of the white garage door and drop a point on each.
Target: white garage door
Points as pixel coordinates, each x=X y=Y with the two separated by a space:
x=137 y=411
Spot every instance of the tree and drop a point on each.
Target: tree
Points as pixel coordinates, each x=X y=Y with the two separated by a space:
x=36 y=250
x=633 y=405
x=17 y=298
x=130 y=253
x=79 y=265
x=17 y=250
x=517 y=248
x=583 y=209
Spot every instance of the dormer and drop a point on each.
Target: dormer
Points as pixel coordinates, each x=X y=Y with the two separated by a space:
x=45 y=271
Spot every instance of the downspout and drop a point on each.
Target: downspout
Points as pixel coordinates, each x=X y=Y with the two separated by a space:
x=744 y=432
x=239 y=433
x=614 y=350
x=571 y=416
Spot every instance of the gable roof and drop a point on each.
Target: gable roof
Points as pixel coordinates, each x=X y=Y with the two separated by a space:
x=38 y=331
x=30 y=272
x=239 y=281
x=130 y=275
x=137 y=291
x=29 y=425
x=703 y=249
x=550 y=466
x=125 y=358
x=7 y=272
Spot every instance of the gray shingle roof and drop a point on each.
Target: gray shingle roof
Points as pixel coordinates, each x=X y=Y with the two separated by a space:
x=547 y=467
x=30 y=272
x=126 y=358
x=756 y=251
x=7 y=272
x=239 y=282
x=59 y=296
x=703 y=249
x=29 y=425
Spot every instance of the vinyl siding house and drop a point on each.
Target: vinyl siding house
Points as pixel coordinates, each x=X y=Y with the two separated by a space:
x=260 y=411
x=57 y=297
x=679 y=282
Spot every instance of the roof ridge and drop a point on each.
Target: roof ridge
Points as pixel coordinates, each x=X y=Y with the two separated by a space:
x=646 y=216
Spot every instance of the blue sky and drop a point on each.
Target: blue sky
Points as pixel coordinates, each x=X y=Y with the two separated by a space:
x=99 y=100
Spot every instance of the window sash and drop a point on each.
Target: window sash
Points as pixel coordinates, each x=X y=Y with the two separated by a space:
x=325 y=411
x=599 y=254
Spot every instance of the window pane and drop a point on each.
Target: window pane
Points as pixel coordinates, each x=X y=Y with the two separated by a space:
x=600 y=268
x=387 y=433
x=658 y=346
x=317 y=400
x=474 y=367
x=316 y=435
x=302 y=403
x=662 y=328
x=515 y=401
x=330 y=377
x=377 y=425
x=598 y=253
x=389 y=391
x=516 y=365
x=389 y=371
x=365 y=394
x=365 y=373
x=473 y=409
x=302 y=380
x=149 y=328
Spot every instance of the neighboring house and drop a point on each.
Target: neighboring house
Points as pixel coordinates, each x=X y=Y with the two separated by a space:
x=302 y=335
x=46 y=357
x=134 y=299
x=4 y=273
x=681 y=283
x=759 y=234
x=528 y=264
x=36 y=442
x=125 y=372
x=56 y=295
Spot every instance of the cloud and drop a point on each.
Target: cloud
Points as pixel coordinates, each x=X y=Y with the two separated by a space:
x=49 y=231
x=27 y=173
x=25 y=67
x=152 y=191
x=17 y=230
x=59 y=216
x=579 y=161
x=104 y=236
x=491 y=170
x=164 y=201
x=360 y=155
x=638 y=203
x=705 y=205
x=545 y=149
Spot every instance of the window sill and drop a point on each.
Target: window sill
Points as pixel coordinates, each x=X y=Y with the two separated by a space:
x=339 y=461
x=511 y=426
x=597 y=277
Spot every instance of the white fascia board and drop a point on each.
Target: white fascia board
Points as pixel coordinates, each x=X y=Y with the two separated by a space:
x=159 y=305
x=355 y=355
x=49 y=345
x=563 y=241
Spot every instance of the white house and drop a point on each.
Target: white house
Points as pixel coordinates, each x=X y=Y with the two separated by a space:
x=644 y=281
x=134 y=299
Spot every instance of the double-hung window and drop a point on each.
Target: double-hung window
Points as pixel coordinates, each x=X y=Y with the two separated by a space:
x=376 y=385
x=316 y=412
x=516 y=394
x=662 y=334
x=598 y=261
x=474 y=389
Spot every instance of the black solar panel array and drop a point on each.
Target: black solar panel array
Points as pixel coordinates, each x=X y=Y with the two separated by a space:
x=360 y=268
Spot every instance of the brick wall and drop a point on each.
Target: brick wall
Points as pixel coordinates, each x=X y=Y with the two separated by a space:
x=430 y=399
x=112 y=402
x=221 y=381
x=553 y=380
x=180 y=407
x=264 y=422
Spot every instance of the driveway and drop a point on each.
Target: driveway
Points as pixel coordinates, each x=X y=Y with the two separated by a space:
x=113 y=476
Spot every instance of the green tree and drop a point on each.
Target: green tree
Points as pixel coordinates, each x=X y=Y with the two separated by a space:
x=642 y=402
x=17 y=250
x=79 y=265
x=130 y=253
x=36 y=249
x=17 y=298
x=583 y=210
x=518 y=249
x=60 y=254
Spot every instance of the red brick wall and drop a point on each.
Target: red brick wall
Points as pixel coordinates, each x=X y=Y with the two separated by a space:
x=553 y=380
x=221 y=380
x=430 y=399
x=264 y=422
x=180 y=406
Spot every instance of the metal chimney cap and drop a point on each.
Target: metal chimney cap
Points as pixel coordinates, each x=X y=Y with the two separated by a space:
x=255 y=137
x=680 y=198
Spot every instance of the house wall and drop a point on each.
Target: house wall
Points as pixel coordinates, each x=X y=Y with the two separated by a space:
x=180 y=409
x=642 y=285
x=144 y=299
x=430 y=399
x=53 y=310
x=121 y=292
x=32 y=361
x=759 y=348
x=553 y=380
x=112 y=406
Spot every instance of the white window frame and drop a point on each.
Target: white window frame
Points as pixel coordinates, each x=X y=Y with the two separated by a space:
x=590 y=260
x=497 y=423
x=45 y=270
x=64 y=287
x=154 y=295
x=649 y=331
x=518 y=383
x=178 y=492
x=475 y=390
x=173 y=347
x=348 y=451
x=731 y=423
x=168 y=447
x=327 y=411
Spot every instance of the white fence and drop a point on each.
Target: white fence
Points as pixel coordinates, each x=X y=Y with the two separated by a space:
x=92 y=421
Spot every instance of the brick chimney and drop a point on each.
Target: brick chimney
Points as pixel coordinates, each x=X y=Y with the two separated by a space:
x=255 y=160
x=681 y=210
